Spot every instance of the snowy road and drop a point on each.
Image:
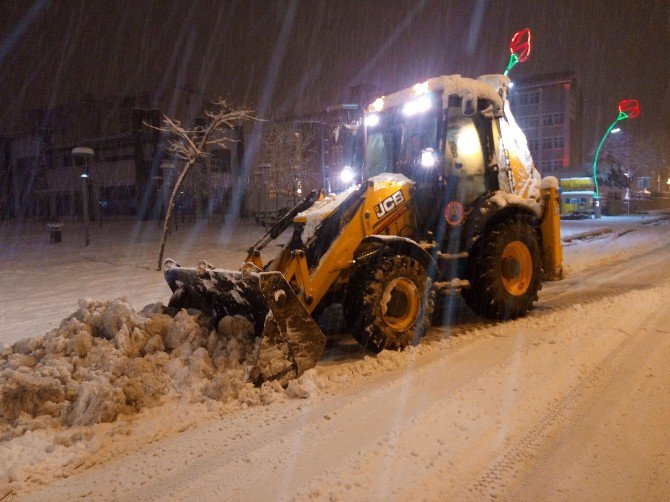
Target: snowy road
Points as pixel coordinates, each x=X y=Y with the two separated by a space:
x=569 y=403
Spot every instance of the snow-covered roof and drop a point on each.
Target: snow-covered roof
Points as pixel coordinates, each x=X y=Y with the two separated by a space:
x=468 y=88
x=498 y=81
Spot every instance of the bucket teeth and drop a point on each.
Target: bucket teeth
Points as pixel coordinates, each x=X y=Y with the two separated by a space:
x=217 y=293
x=204 y=266
x=168 y=264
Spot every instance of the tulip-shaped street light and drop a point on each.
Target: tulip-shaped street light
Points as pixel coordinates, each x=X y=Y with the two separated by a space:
x=628 y=109
x=519 y=49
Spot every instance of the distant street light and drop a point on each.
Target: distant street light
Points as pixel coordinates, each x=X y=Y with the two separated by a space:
x=616 y=130
x=85 y=154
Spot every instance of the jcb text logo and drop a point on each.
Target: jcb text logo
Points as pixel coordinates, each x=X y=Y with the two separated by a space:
x=389 y=204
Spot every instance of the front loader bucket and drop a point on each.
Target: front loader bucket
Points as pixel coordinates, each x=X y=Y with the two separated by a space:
x=291 y=341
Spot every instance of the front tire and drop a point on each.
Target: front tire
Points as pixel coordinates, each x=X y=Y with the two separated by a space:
x=389 y=303
x=504 y=271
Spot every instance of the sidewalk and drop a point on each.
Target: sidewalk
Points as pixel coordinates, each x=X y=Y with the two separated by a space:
x=584 y=229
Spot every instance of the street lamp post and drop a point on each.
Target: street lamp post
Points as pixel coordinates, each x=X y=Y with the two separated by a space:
x=86 y=154
x=628 y=108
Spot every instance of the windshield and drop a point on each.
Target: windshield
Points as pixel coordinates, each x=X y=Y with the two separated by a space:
x=397 y=136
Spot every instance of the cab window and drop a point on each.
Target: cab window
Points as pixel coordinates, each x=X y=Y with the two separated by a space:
x=464 y=157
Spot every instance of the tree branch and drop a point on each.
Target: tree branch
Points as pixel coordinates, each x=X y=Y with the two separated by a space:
x=189 y=145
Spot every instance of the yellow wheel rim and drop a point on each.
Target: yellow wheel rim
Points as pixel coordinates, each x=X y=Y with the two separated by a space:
x=516 y=268
x=400 y=304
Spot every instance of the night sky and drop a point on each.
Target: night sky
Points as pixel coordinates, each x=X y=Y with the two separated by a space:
x=283 y=57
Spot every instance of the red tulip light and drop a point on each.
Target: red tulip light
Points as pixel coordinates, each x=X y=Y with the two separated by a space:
x=630 y=108
x=519 y=48
x=520 y=45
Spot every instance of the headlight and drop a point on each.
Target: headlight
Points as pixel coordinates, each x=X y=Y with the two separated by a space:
x=428 y=158
x=419 y=105
x=347 y=175
x=372 y=120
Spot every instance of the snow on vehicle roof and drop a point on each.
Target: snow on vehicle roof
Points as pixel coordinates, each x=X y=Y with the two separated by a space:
x=498 y=81
x=450 y=84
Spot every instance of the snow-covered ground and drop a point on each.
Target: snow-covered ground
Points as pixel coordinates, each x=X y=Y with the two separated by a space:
x=41 y=281
x=570 y=403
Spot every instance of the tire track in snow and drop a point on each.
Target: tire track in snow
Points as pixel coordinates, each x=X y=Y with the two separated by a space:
x=628 y=405
x=550 y=431
x=537 y=437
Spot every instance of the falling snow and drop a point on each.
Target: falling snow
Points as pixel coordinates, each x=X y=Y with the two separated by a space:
x=67 y=390
x=107 y=394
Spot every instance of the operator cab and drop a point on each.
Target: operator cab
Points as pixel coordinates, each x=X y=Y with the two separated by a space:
x=429 y=142
x=445 y=144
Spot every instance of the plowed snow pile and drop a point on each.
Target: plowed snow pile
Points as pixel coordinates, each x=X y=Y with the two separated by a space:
x=106 y=359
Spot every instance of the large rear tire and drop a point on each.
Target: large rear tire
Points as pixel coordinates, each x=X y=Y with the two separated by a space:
x=504 y=271
x=389 y=303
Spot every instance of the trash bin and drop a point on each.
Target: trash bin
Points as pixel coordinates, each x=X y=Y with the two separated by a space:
x=55 y=232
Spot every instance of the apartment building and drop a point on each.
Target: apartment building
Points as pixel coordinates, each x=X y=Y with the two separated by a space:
x=549 y=110
x=129 y=174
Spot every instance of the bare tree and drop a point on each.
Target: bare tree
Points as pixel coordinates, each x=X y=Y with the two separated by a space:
x=191 y=145
x=641 y=156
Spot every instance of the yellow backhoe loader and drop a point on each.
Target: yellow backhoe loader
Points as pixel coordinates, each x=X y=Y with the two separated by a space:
x=448 y=200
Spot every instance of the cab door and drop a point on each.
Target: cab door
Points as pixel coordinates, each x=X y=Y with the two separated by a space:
x=469 y=147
